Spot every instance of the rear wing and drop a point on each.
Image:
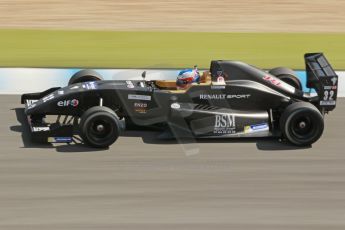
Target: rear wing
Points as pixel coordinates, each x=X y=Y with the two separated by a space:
x=322 y=78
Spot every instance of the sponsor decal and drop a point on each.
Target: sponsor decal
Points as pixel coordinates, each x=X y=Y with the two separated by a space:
x=31 y=103
x=139 y=97
x=66 y=103
x=61 y=92
x=220 y=73
x=140 y=107
x=330 y=87
x=272 y=80
x=238 y=96
x=212 y=96
x=75 y=87
x=59 y=139
x=217 y=86
x=175 y=106
x=89 y=85
x=221 y=76
x=327 y=102
x=220 y=79
x=40 y=129
x=223 y=96
x=47 y=98
x=334 y=80
x=32 y=106
x=256 y=128
x=224 y=124
x=130 y=84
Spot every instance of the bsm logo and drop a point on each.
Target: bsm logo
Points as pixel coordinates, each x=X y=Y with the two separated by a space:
x=225 y=121
x=66 y=103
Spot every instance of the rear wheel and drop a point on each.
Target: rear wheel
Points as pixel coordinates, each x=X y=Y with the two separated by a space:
x=302 y=123
x=85 y=75
x=287 y=75
x=99 y=127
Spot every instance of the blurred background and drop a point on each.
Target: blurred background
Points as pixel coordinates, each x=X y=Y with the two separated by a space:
x=177 y=15
x=171 y=33
x=144 y=183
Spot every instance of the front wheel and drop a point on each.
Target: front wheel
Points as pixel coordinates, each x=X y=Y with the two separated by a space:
x=99 y=127
x=302 y=123
x=85 y=75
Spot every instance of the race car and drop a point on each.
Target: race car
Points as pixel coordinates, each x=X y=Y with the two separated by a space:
x=233 y=99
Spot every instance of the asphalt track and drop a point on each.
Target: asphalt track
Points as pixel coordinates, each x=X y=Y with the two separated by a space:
x=145 y=183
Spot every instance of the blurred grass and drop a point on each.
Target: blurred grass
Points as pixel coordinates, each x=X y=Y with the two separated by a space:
x=54 y=48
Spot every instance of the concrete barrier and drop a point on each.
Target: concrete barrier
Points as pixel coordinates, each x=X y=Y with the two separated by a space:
x=24 y=80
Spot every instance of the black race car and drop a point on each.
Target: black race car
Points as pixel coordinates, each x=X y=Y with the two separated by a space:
x=232 y=99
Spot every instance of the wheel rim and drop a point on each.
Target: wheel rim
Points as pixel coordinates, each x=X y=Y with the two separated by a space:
x=100 y=129
x=303 y=126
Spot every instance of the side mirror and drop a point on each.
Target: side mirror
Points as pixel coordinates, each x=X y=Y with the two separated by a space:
x=143 y=75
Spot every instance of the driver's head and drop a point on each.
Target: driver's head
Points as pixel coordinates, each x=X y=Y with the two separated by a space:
x=187 y=77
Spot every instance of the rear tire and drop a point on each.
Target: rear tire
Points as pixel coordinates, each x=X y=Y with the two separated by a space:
x=287 y=75
x=85 y=75
x=302 y=123
x=99 y=127
x=282 y=70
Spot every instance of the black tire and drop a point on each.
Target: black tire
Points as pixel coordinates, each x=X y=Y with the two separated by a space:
x=85 y=76
x=282 y=70
x=302 y=123
x=99 y=127
x=287 y=75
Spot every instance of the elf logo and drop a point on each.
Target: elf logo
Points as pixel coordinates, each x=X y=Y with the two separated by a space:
x=66 y=103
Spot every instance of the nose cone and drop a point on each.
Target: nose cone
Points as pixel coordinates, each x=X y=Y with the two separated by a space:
x=57 y=102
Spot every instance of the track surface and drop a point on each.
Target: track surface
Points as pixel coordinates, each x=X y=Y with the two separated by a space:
x=144 y=183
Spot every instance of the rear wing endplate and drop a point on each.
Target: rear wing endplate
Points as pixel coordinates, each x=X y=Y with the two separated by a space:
x=322 y=78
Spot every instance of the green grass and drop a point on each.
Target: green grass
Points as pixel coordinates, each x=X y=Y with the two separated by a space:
x=49 y=48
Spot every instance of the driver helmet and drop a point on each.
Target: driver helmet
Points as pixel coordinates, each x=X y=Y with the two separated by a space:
x=187 y=77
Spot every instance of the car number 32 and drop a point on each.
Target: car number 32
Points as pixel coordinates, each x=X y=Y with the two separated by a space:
x=328 y=95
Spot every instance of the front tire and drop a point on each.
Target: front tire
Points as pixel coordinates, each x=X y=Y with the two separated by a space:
x=302 y=123
x=85 y=75
x=99 y=127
